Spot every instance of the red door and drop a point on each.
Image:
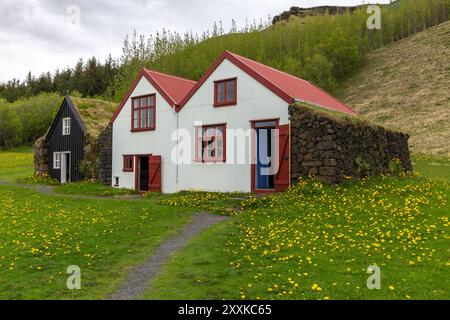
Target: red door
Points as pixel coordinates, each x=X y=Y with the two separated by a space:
x=154 y=174
x=282 y=179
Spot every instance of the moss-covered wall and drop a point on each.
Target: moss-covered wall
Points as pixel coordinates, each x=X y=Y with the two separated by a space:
x=332 y=146
x=105 y=157
x=40 y=156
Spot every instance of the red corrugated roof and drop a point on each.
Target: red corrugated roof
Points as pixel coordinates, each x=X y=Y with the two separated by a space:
x=175 y=87
x=286 y=86
x=295 y=87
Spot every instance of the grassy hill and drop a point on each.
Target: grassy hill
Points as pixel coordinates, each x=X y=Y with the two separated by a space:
x=405 y=86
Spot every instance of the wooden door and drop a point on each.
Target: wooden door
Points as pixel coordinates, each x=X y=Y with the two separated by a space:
x=283 y=177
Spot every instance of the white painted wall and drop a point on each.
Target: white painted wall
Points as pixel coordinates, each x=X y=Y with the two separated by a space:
x=155 y=142
x=254 y=102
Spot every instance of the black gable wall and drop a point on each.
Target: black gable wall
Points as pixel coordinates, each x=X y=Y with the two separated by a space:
x=74 y=142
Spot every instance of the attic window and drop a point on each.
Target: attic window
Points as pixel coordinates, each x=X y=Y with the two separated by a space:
x=66 y=126
x=225 y=92
x=143 y=113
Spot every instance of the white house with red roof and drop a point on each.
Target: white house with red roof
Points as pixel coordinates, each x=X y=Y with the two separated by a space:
x=227 y=132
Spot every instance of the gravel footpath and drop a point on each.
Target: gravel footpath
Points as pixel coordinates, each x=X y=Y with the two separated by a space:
x=139 y=279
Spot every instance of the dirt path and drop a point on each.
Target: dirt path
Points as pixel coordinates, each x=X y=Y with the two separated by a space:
x=49 y=190
x=140 y=278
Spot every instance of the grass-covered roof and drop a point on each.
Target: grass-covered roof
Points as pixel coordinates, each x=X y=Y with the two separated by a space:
x=95 y=113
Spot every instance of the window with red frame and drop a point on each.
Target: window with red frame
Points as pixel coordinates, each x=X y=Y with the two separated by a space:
x=225 y=92
x=143 y=113
x=210 y=143
x=128 y=163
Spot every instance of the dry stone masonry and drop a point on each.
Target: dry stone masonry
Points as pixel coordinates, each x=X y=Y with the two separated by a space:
x=332 y=146
x=105 y=143
x=41 y=156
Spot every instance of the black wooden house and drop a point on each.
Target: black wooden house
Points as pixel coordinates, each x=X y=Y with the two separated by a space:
x=65 y=143
x=71 y=150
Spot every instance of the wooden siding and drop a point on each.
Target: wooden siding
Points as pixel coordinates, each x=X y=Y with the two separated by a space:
x=73 y=142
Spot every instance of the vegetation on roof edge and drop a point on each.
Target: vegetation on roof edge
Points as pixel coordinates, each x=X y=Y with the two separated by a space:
x=339 y=117
x=95 y=113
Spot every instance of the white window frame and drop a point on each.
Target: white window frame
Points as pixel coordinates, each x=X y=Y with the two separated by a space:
x=66 y=127
x=56 y=162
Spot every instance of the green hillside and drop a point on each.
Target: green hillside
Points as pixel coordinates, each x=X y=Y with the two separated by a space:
x=405 y=86
x=324 y=49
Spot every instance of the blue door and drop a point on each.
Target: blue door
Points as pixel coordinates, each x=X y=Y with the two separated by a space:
x=264 y=175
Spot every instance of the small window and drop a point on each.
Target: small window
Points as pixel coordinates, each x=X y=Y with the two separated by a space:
x=56 y=160
x=66 y=126
x=128 y=163
x=116 y=181
x=225 y=92
x=210 y=143
x=143 y=113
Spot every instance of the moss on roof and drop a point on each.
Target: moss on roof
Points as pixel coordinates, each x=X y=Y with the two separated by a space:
x=335 y=115
x=95 y=113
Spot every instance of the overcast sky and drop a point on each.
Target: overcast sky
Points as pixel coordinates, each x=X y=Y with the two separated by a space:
x=43 y=35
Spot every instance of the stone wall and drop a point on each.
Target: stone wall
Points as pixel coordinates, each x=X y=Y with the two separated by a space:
x=40 y=156
x=105 y=157
x=332 y=146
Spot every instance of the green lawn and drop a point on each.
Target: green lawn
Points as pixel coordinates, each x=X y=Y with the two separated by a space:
x=313 y=242
x=42 y=235
x=16 y=164
x=316 y=242
x=432 y=167
x=92 y=189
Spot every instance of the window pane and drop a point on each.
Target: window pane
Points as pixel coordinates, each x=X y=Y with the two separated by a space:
x=221 y=92
x=136 y=118
x=230 y=90
x=150 y=117
x=151 y=100
x=265 y=124
x=143 y=102
x=219 y=131
x=143 y=118
x=210 y=132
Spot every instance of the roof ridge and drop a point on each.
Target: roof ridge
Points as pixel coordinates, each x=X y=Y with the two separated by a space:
x=266 y=66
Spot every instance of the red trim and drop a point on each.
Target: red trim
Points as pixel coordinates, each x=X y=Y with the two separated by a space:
x=136 y=173
x=139 y=109
x=127 y=168
x=229 y=56
x=225 y=102
x=224 y=143
x=253 y=153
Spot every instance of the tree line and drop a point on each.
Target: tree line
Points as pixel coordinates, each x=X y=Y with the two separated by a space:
x=91 y=78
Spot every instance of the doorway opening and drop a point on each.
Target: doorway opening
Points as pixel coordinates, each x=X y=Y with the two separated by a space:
x=143 y=173
x=264 y=170
x=65 y=167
